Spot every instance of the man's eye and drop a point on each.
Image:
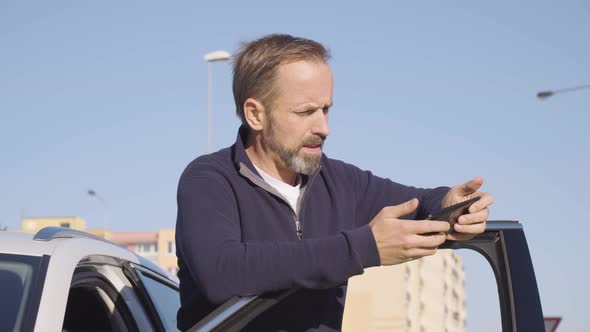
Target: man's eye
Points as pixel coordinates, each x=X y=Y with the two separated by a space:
x=308 y=112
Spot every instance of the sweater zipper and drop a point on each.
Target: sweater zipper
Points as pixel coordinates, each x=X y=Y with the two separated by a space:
x=245 y=171
x=298 y=229
x=296 y=212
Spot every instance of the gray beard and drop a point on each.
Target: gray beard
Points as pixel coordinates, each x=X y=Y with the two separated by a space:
x=306 y=164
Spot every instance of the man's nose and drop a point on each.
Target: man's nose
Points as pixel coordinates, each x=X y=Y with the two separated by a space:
x=321 y=127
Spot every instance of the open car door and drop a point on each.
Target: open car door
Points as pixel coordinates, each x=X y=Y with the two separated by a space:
x=504 y=246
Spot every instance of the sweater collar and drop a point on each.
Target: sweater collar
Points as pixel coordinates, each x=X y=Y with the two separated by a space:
x=239 y=155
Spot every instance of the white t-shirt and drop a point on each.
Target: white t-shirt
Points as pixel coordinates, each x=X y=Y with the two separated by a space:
x=291 y=193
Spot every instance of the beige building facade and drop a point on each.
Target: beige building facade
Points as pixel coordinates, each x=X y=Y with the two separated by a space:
x=33 y=225
x=423 y=295
x=167 y=254
x=156 y=246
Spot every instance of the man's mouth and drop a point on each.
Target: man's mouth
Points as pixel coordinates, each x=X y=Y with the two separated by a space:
x=312 y=147
x=313 y=144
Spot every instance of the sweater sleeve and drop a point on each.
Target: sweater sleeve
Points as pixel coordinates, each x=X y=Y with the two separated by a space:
x=223 y=266
x=375 y=193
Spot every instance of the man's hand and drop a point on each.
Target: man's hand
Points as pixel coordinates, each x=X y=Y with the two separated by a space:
x=400 y=240
x=468 y=225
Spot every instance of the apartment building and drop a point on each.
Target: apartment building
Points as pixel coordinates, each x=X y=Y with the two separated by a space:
x=422 y=295
x=157 y=246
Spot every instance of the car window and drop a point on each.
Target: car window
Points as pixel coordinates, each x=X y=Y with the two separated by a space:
x=453 y=290
x=88 y=310
x=17 y=273
x=165 y=299
x=482 y=302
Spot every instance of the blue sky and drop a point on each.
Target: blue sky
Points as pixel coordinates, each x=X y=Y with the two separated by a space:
x=112 y=96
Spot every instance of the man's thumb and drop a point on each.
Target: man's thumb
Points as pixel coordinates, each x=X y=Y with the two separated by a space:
x=403 y=208
x=470 y=187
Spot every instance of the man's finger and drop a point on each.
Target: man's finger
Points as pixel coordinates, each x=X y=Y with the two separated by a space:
x=428 y=226
x=470 y=229
x=430 y=241
x=416 y=253
x=485 y=201
x=402 y=209
x=474 y=218
x=469 y=187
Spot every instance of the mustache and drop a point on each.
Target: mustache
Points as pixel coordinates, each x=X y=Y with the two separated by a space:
x=314 y=140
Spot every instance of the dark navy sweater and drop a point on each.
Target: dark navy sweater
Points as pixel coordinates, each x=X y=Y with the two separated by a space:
x=236 y=236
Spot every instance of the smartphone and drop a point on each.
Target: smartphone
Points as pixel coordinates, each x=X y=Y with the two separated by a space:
x=445 y=214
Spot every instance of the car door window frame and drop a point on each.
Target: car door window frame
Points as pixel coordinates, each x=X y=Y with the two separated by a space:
x=135 y=273
x=86 y=276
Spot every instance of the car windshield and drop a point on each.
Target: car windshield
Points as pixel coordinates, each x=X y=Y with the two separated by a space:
x=17 y=273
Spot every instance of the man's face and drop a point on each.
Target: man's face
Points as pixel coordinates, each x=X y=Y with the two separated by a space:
x=297 y=124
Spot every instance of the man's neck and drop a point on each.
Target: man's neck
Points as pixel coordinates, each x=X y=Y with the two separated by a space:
x=267 y=161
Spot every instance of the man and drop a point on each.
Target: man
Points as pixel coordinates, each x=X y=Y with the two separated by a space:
x=272 y=212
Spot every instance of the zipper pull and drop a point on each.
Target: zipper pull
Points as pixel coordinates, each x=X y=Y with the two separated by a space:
x=299 y=231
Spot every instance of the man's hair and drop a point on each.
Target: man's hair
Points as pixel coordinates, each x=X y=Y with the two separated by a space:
x=256 y=64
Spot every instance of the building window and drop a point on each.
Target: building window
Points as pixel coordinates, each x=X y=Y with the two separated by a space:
x=64 y=224
x=144 y=248
x=171 y=248
x=456 y=318
x=455 y=276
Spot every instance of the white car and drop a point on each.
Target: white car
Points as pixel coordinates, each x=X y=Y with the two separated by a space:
x=66 y=280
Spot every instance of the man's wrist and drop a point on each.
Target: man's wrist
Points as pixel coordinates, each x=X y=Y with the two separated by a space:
x=363 y=246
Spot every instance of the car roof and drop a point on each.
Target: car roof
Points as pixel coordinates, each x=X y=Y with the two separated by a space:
x=23 y=244
x=50 y=239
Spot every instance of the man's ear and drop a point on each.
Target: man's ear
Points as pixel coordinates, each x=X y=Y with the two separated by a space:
x=254 y=113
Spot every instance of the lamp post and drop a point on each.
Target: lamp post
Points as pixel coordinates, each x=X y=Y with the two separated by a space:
x=212 y=57
x=546 y=94
x=93 y=193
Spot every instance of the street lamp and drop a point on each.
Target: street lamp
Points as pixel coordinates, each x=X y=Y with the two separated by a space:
x=93 y=193
x=546 y=94
x=212 y=57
